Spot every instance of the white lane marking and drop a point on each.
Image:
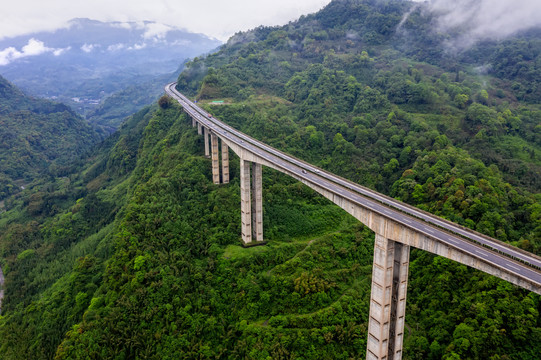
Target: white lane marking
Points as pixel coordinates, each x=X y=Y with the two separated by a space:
x=452 y=240
x=512 y=266
x=429 y=230
x=480 y=253
x=379 y=198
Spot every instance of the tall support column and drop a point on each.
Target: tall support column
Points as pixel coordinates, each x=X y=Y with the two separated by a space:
x=225 y=163
x=245 y=202
x=215 y=159
x=387 y=300
x=400 y=283
x=257 y=202
x=199 y=128
x=193 y=122
x=206 y=136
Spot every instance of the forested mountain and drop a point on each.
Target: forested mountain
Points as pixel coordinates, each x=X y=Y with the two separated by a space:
x=86 y=62
x=140 y=255
x=114 y=109
x=38 y=138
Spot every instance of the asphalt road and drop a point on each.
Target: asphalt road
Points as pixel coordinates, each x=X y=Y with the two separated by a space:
x=499 y=254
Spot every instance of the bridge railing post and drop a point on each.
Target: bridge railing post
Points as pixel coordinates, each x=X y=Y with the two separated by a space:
x=387 y=300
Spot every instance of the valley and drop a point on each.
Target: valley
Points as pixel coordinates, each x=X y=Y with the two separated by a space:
x=125 y=244
x=93 y=61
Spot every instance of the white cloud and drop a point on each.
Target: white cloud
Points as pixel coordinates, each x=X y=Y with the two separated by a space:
x=122 y=25
x=34 y=47
x=182 y=42
x=215 y=18
x=485 y=19
x=156 y=30
x=7 y=55
x=137 y=46
x=87 y=48
x=58 y=52
x=116 y=47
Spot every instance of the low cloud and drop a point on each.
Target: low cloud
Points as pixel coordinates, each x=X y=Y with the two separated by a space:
x=137 y=46
x=122 y=25
x=484 y=19
x=87 y=48
x=32 y=48
x=116 y=47
x=352 y=35
x=58 y=52
x=156 y=31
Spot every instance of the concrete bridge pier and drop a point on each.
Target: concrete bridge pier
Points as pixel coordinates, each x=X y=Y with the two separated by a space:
x=206 y=136
x=257 y=202
x=199 y=132
x=215 y=159
x=193 y=122
x=251 y=208
x=388 y=300
x=245 y=202
x=225 y=163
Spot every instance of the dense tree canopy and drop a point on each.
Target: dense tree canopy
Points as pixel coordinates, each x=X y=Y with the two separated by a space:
x=37 y=138
x=136 y=254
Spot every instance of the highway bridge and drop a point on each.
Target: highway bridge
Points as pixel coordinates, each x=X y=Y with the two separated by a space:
x=397 y=226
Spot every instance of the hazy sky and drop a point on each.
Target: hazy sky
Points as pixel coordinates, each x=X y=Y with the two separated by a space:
x=216 y=18
x=222 y=18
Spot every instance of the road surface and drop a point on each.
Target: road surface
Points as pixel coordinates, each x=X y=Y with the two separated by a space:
x=497 y=253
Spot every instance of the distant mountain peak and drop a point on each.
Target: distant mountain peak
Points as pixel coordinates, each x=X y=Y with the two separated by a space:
x=87 y=60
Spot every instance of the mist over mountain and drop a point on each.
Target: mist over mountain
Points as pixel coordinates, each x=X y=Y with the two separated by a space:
x=134 y=252
x=90 y=60
x=476 y=20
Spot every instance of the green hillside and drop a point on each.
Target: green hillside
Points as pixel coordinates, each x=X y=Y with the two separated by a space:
x=141 y=257
x=117 y=107
x=37 y=138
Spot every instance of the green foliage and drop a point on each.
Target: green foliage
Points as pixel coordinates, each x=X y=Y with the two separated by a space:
x=164 y=102
x=137 y=254
x=38 y=138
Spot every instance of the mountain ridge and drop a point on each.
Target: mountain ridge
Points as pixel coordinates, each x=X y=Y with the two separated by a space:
x=142 y=255
x=37 y=138
x=83 y=64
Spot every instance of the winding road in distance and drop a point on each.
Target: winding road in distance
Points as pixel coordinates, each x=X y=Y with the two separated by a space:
x=509 y=258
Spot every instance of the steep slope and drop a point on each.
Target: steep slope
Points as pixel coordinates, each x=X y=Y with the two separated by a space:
x=37 y=138
x=114 y=109
x=370 y=93
x=349 y=59
x=142 y=258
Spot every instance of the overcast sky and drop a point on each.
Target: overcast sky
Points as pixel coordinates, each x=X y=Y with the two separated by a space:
x=222 y=18
x=216 y=18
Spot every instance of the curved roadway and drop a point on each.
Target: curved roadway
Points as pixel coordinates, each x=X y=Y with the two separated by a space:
x=490 y=250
